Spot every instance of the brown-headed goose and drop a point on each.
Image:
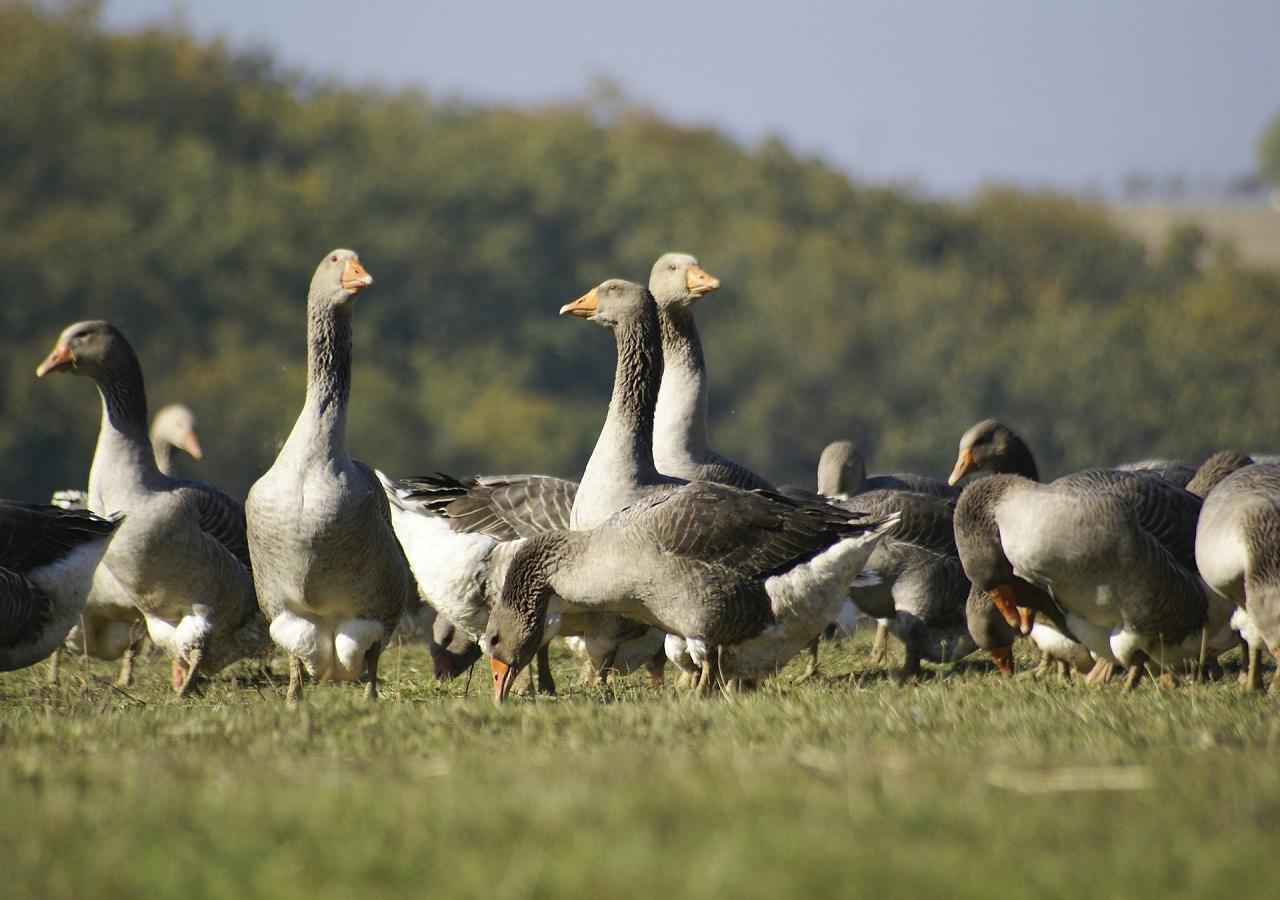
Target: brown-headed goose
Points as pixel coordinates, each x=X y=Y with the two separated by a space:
x=331 y=576
x=1238 y=552
x=181 y=552
x=47 y=559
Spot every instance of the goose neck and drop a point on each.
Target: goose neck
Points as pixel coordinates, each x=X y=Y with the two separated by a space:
x=680 y=419
x=329 y=366
x=123 y=456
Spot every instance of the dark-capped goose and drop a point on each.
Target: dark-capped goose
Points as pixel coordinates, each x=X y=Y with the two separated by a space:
x=331 y=576
x=181 y=552
x=1238 y=552
x=747 y=578
x=1110 y=549
x=47 y=559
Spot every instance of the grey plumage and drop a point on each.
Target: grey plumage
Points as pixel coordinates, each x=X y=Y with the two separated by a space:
x=331 y=576
x=842 y=472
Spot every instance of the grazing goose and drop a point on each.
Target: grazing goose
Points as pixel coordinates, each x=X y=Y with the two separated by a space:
x=47 y=559
x=1238 y=552
x=843 y=473
x=111 y=627
x=180 y=553
x=747 y=578
x=1110 y=549
x=331 y=576
x=453 y=651
x=681 y=447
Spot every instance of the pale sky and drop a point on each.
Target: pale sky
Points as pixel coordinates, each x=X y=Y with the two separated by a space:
x=945 y=94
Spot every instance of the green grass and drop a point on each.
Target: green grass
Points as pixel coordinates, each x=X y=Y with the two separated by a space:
x=953 y=786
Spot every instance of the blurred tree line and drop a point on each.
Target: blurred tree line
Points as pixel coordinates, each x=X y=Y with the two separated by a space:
x=186 y=191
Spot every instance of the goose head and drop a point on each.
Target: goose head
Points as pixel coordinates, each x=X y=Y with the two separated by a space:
x=611 y=303
x=91 y=348
x=1214 y=469
x=677 y=280
x=841 y=470
x=518 y=620
x=995 y=447
x=452 y=649
x=338 y=278
x=175 y=425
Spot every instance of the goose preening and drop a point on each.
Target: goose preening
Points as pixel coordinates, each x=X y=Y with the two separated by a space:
x=111 y=627
x=180 y=553
x=1108 y=553
x=47 y=559
x=747 y=578
x=331 y=576
x=1238 y=552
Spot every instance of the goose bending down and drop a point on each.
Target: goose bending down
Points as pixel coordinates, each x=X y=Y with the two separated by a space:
x=1112 y=551
x=747 y=578
x=47 y=559
x=111 y=627
x=1238 y=552
x=331 y=576
x=180 y=553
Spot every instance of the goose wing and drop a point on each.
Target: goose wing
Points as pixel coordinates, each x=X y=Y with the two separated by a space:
x=505 y=507
x=34 y=535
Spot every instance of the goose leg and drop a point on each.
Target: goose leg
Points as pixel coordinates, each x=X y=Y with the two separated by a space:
x=811 y=668
x=55 y=659
x=371 y=666
x=1133 y=677
x=1003 y=658
x=880 y=646
x=1101 y=672
x=656 y=667
x=1253 y=677
x=178 y=675
x=607 y=666
x=126 y=662
x=546 y=683
x=1064 y=670
x=193 y=671
x=294 y=693
x=910 y=667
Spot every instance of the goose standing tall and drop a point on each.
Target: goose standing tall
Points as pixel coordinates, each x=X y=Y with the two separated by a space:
x=47 y=559
x=181 y=552
x=330 y=573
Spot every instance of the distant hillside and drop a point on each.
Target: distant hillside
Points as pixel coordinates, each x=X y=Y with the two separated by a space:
x=1253 y=230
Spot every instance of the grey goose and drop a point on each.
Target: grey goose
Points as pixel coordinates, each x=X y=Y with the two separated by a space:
x=180 y=553
x=332 y=579
x=47 y=559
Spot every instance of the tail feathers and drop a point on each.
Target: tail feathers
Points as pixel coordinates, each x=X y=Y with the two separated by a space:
x=424 y=493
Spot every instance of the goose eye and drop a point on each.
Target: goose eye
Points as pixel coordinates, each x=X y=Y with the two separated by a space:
x=333 y=258
x=672 y=268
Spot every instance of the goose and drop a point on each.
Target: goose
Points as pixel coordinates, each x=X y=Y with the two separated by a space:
x=331 y=577
x=180 y=554
x=47 y=559
x=1214 y=470
x=111 y=627
x=1110 y=551
x=747 y=578
x=1238 y=552
x=842 y=473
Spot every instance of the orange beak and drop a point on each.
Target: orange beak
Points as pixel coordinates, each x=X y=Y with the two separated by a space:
x=60 y=357
x=699 y=281
x=503 y=677
x=1002 y=597
x=1026 y=619
x=191 y=443
x=354 y=277
x=1003 y=658
x=964 y=465
x=584 y=307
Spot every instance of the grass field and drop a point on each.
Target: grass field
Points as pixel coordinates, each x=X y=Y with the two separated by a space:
x=961 y=785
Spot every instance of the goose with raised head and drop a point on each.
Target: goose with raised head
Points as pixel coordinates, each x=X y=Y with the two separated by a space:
x=111 y=627
x=842 y=473
x=1107 y=551
x=181 y=553
x=747 y=578
x=681 y=446
x=1238 y=552
x=47 y=559
x=331 y=576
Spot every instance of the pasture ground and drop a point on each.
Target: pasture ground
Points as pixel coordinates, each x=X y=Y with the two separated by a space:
x=964 y=784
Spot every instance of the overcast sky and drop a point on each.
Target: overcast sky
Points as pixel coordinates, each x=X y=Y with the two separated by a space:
x=944 y=94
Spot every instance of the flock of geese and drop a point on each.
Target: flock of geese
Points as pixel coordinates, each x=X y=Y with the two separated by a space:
x=664 y=551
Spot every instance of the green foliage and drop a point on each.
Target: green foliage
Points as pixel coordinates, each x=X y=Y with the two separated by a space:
x=965 y=785
x=185 y=191
x=1269 y=154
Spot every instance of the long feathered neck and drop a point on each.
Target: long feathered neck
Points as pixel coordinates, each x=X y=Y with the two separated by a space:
x=680 y=420
x=328 y=371
x=123 y=457
x=623 y=454
x=162 y=450
x=1016 y=459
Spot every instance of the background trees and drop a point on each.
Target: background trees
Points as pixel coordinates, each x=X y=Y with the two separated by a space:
x=186 y=190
